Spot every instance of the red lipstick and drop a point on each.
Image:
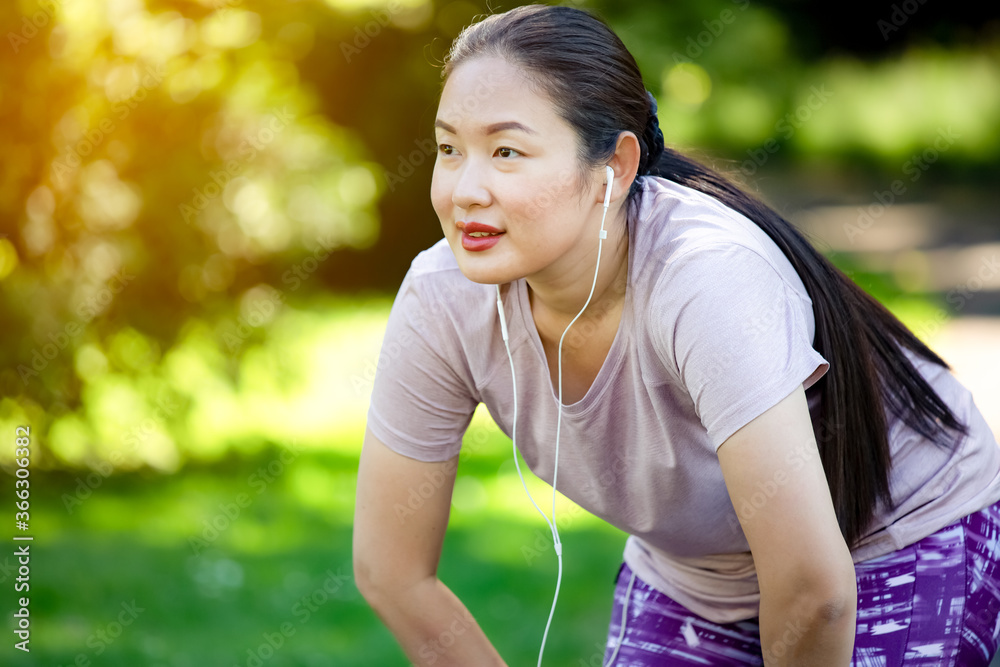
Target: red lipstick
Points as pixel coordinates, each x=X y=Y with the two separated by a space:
x=479 y=243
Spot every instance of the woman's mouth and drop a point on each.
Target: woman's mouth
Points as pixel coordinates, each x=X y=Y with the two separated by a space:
x=478 y=236
x=479 y=241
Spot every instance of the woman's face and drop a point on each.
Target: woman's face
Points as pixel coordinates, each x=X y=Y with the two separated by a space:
x=507 y=160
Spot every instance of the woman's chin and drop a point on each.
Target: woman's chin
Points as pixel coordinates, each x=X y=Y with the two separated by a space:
x=483 y=277
x=482 y=272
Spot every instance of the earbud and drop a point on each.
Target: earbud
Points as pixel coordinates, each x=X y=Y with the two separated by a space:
x=607 y=199
x=611 y=180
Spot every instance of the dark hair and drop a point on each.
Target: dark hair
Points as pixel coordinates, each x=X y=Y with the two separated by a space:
x=595 y=85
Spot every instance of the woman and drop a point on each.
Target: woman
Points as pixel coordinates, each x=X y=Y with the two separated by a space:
x=803 y=481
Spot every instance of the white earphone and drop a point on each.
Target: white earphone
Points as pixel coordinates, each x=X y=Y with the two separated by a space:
x=557 y=544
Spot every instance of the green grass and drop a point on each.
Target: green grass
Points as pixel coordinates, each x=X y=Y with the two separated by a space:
x=131 y=540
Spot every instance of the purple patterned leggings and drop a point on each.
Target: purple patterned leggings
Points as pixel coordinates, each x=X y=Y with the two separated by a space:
x=935 y=602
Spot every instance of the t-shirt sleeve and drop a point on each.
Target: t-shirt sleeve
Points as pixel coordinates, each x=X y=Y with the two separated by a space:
x=421 y=402
x=734 y=333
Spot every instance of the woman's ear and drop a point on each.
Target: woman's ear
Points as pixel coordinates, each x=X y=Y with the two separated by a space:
x=625 y=162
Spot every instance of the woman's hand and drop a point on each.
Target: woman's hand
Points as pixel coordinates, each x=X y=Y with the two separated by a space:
x=804 y=568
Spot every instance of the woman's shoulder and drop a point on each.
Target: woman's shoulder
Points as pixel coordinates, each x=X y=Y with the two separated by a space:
x=680 y=228
x=675 y=220
x=685 y=219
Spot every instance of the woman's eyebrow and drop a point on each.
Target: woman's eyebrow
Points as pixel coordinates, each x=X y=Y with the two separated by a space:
x=490 y=129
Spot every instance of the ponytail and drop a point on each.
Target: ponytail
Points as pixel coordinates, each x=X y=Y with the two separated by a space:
x=862 y=340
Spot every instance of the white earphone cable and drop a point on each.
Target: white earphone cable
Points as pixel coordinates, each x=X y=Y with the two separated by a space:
x=556 y=542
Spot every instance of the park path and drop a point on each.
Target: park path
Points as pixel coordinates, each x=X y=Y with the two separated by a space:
x=971 y=346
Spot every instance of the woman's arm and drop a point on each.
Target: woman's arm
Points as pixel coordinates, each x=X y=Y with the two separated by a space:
x=399 y=525
x=807 y=582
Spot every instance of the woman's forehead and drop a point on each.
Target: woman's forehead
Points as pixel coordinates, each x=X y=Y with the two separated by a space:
x=488 y=95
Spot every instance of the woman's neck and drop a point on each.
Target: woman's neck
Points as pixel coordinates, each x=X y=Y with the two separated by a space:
x=561 y=297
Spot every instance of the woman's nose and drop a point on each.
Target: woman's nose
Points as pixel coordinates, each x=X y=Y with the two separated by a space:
x=471 y=186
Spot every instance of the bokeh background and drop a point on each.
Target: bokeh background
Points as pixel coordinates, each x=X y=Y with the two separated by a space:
x=206 y=207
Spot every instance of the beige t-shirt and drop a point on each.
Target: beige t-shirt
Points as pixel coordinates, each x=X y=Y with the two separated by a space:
x=717 y=327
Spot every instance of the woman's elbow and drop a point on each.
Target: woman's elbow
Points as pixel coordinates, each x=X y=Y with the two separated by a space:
x=381 y=583
x=837 y=607
x=831 y=594
x=824 y=598
x=827 y=608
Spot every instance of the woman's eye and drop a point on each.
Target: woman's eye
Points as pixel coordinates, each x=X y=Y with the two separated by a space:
x=446 y=149
x=506 y=152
